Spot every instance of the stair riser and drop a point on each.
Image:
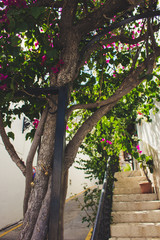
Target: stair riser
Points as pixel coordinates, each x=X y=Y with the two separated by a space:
x=127 y=174
x=134 y=238
x=135 y=230
x=129 y=180
x=143 y=217
x=119 y=191
x=135 y=206
x=134 y=197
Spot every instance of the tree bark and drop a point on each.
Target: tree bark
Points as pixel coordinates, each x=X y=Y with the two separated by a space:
x=42 y=175
x=41 y=226
x=30 y=157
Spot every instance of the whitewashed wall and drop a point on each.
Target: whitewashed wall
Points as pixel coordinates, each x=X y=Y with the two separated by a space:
x=12 y=181
x=149 y=133
x=77 y=180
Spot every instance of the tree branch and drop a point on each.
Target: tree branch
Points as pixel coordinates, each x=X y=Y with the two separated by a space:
x=41 y=226
x=96 y=38
x=30 y=157
x=10 y=148
x=68 y=15
x=129 y=83
x=97 y=18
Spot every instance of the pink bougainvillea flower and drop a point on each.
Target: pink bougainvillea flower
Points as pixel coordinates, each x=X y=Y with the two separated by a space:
x=67 y=127
x=3 y=77
x=36 y=44
x=138 y=147
x=140 y=151
x=107 y=60
x=109 y=142
x=3 y=87
x=55 y=70
x=17 y=3
x=57 y=67
x=44 y=58
x=139 y=113
x=41 y=30
x=61 y=62
x=51 y=45
x=36 y=122
x=102 y=140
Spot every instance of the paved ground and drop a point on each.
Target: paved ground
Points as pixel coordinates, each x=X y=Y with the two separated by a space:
x=73 y=227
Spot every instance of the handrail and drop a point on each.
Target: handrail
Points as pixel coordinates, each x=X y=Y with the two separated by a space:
x=100 y=208
x=101 y=228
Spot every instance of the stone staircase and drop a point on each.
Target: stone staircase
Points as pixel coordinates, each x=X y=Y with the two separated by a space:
x=136 y=216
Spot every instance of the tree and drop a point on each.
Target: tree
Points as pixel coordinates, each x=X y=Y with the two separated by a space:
x=116 y=131
x=101 y=49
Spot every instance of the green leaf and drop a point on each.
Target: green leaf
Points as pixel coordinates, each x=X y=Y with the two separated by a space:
x=15 y=41
x=10 y=135
x=52 y=53
x=36 y=11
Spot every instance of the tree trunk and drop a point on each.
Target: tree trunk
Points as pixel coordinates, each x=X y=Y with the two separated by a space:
x=40 y=187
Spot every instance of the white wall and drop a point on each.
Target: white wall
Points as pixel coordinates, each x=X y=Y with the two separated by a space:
x=12 y=181
x=149 y=133
x=77 y=180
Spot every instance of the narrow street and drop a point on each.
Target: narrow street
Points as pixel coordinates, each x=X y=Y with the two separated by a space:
x=74 y=229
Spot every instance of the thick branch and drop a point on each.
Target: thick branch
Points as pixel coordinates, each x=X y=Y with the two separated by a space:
x=30 y=157
x=41 y=227
x=98 y=45
x=98 y=17
x=122 y=90
x=93 y=42
x=128 y=84
x=10 y=148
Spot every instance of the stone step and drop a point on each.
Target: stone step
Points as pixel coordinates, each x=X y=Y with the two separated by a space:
x=119 y=175
x=135 y=230
x=135 y=197
x=127 y=190
x=136 y=206
x=131 y=181
x=136 y=216
x=117 y=238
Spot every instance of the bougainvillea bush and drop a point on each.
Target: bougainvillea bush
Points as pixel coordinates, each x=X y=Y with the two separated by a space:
x=101 y=49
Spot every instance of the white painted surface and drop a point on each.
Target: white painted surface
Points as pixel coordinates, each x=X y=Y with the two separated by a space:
x=12 y=181
x=149 y=133
x=77 y=180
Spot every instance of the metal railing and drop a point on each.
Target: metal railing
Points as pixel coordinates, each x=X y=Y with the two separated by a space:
x=101 y=229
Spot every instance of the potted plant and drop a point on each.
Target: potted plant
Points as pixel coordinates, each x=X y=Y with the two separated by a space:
x=146 y=163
